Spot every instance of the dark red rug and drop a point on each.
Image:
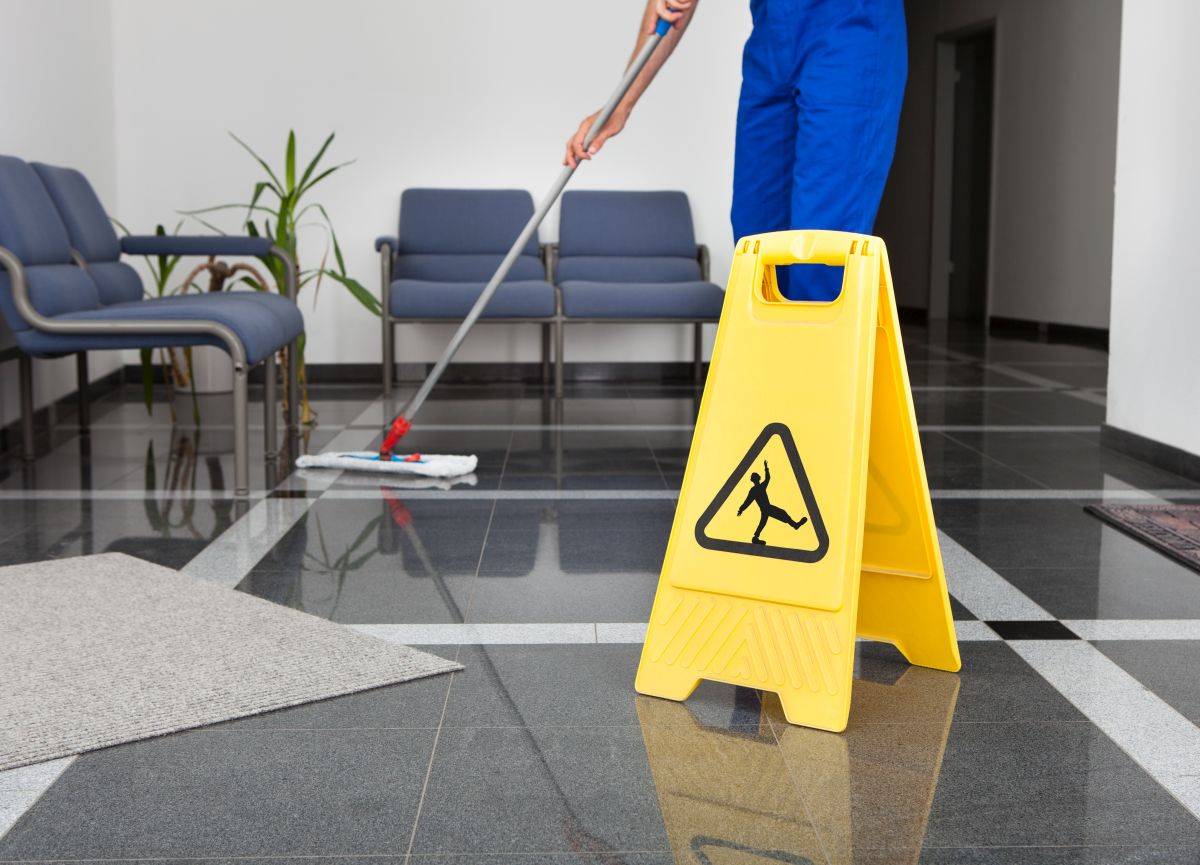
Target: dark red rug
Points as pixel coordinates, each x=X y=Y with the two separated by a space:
x=1172 y=529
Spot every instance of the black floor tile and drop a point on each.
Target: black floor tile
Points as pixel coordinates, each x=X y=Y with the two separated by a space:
x=1033 y=630
x=1082 y=375
x=952 y=465
x=1049 y=407
x=1069 y=460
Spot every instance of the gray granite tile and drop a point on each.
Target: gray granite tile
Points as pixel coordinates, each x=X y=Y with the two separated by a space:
x=543 y=790
x=580 y=685
x=1049 y=784
x=1030 y=855
x=211 y=794
x=1166 y=667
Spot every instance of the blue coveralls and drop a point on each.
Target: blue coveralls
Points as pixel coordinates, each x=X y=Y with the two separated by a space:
x=822 y=84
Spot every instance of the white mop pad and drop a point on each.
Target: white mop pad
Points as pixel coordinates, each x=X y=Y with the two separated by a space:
x=426 y=465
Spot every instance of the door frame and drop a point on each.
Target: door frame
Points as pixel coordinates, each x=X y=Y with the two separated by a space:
x=941 y=188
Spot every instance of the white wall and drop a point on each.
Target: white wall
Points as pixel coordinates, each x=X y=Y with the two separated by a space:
x=482 y=93
x=1054 y=154
x=57 y=107
x=1153 y=385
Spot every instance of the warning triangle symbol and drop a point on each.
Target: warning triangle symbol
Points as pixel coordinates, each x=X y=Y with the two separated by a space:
x=758 y=512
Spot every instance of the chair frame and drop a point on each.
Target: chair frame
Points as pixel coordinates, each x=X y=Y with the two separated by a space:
x=388 y=322
x=241 y=369
x=702 y=256
x=550 y=325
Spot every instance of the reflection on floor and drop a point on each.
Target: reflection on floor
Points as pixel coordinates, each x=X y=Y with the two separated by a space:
x=1069 y=737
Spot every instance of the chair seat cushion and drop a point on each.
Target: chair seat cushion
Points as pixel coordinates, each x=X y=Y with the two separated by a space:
x=411 y=298
x=263 y=322
x=618 y=300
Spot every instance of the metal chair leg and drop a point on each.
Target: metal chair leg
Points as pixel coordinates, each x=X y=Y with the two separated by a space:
x=270 y=406
x=84 y=403
x=25 y=362
x=241 y=438
x=293 y=386
x=698 y=353
x=389 y=354
x=546 y=353
x=558 y=359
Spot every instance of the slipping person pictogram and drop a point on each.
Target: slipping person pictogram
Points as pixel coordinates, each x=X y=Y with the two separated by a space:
x=767 y=511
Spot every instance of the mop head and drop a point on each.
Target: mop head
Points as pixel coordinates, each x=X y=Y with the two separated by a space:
x=425 y=465
x=391 y=482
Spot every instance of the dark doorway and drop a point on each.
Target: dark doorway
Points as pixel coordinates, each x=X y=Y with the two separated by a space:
x=971 y=180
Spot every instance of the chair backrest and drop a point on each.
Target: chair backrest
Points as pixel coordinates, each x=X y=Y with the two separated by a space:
x=31 y=228
x=90 y=232
x=626 y=237
x=461 y=235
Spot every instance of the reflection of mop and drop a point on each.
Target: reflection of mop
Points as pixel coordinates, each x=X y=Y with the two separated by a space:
x=433 y=465
x=588 y=847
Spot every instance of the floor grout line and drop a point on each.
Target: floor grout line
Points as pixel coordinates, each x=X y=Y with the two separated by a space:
x=634 y=633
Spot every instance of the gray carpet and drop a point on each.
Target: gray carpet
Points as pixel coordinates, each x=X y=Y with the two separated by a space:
x=99 y=650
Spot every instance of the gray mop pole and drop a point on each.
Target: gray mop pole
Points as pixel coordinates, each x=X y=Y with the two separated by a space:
x=414 y=405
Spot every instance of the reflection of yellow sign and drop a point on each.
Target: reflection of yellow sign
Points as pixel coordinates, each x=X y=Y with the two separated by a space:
x=735 y=796
x=767 y=580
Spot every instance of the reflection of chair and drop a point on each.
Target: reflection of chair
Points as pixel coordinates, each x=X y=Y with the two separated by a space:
x=63 y=290
x=593 y=539
x=817 y=795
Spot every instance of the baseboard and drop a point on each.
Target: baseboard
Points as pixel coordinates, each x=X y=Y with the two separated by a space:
x=1158 y=454
x=1043 y=331
x=10 y=434
x=513 y=372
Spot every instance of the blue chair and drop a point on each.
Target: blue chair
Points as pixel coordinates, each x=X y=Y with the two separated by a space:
x=64 y=290
x=633 y=257
x=450 y=243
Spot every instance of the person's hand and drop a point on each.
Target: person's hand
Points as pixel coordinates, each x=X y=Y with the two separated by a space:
x=576 y=152
x=674 y=10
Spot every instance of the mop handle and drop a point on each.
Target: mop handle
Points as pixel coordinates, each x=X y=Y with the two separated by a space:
x=414 y=405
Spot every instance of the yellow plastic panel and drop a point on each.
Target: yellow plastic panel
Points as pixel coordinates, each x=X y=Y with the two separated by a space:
x=797 y=492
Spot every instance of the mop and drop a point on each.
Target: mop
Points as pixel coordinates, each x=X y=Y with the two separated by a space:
x=454 y=465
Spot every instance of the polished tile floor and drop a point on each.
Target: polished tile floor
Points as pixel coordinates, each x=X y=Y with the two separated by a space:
x=1069 y=736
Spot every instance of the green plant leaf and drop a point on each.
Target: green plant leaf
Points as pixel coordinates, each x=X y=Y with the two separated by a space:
x=358 y=292
x=316 y=159
x=276 y=185
x=256 y=208
x=214 y=229
x=324 y=174
x=290 y=160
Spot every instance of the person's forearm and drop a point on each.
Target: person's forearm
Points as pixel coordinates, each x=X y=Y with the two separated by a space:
x=649 y=22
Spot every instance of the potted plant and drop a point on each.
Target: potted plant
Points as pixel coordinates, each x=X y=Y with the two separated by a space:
x=279 y=206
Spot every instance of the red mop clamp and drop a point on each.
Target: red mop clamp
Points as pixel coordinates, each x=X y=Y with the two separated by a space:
x=399 y=427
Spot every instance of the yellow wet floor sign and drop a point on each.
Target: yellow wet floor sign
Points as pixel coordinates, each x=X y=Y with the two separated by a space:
x=804 y=518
